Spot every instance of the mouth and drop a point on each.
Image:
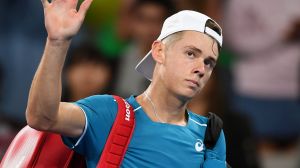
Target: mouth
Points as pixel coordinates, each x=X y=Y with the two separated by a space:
x=193 y=83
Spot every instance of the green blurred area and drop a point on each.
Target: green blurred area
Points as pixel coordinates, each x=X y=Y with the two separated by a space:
x=102 y=12
x=108 y=41
x=226 y=58
x=102 y=19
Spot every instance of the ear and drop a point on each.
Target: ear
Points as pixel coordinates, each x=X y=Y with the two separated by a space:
x=158 y=51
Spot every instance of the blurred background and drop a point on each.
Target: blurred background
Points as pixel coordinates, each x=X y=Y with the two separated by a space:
x=255 y=87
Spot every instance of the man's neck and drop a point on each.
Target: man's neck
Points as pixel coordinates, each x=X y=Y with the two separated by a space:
x=169 y=108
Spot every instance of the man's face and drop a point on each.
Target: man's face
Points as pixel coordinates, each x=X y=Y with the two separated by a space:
x=188 y=63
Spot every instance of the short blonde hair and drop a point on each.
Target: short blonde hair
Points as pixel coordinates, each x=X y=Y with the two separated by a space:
x=169 y=40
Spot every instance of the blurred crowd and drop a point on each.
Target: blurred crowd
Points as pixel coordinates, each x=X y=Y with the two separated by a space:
x=255 y=87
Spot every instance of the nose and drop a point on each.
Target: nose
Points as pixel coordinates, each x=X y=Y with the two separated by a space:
x=199 y=69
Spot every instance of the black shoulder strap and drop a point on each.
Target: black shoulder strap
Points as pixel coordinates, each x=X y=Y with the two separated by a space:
x=213 y=130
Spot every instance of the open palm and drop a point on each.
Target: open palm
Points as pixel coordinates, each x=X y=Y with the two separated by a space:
x=62 y=20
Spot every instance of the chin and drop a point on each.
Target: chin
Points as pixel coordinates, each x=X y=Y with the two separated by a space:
x=188 y=94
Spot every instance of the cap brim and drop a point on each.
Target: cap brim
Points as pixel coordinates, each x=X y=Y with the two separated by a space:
x=146 y=66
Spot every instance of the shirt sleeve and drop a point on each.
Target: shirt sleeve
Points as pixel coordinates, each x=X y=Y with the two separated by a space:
x=216 y=157
x=100 y=112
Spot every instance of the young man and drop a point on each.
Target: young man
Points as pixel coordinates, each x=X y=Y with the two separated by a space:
x=166 y=133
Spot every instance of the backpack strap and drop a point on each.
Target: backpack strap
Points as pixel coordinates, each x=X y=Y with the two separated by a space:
x=213 y=130
x=119 y=136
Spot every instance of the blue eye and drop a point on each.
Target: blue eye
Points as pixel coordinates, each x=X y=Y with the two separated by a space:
x=210 y=63
x=190 y=53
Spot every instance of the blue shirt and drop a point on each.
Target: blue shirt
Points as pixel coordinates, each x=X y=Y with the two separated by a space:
x=153 y=144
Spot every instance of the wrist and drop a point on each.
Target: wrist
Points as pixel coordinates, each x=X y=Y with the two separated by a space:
x=58 y=42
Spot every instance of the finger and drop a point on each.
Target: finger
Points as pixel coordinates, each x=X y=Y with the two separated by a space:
x=45 y=3
x=73 y=4
x=84 y=7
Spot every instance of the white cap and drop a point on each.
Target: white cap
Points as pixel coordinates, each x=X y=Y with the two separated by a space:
x=183 y=20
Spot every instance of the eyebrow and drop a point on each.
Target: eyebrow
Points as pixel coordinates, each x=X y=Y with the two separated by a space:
x=200 y=52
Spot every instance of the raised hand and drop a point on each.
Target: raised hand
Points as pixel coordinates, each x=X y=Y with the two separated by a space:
x=62 y=20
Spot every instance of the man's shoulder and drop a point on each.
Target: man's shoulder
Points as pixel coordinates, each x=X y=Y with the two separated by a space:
x=198 y=119
x=98 y=101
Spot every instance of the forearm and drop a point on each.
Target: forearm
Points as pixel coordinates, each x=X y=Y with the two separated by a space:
x=45 y=91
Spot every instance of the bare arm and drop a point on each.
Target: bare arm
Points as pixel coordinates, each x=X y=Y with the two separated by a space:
x=44 y=109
